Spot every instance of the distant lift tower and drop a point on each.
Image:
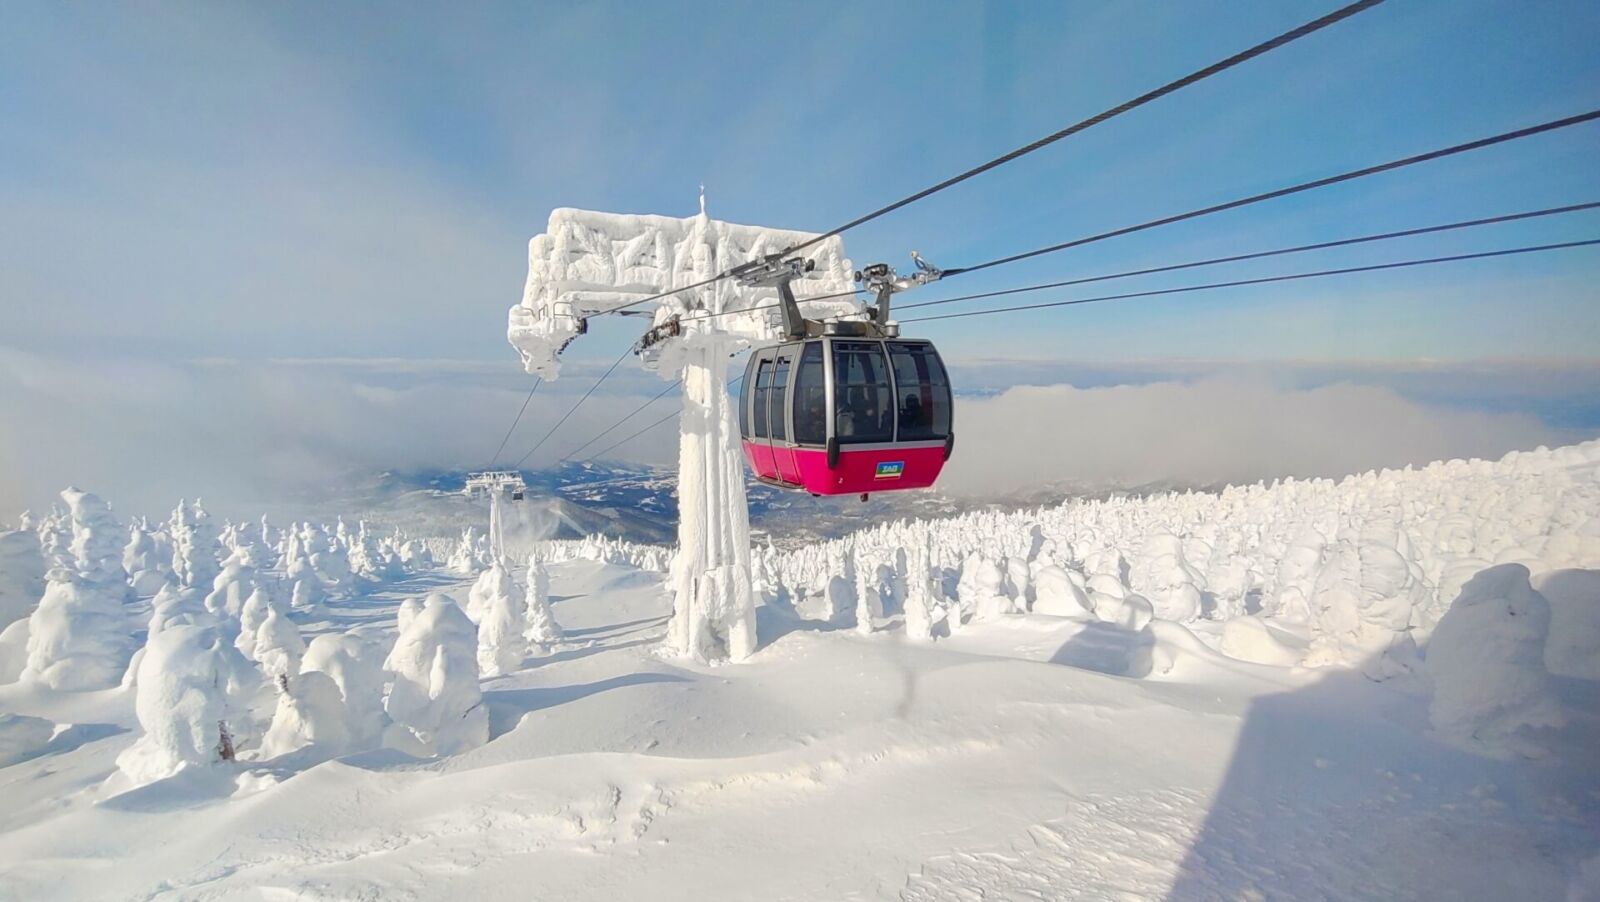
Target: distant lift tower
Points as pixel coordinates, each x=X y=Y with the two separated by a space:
x=499 y=485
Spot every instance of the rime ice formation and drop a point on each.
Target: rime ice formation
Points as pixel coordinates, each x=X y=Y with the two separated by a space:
x=229 y=590
x=96 y=538
x=435 y=704
x=142 y=558
x=1162 y=574
x=1347 y=573
x=194 y=545
x=21 y=575
x=173 y=605
x=502 y=617
x=1055 y=593
x=541 y=630
x=193 y=695
x=78 y=638
x=1362 y=605
x=310 y=711
x=869 y=599
x=1573 y=649
x=1486 y=660
x=587 y=263
x=13 y=651
x=470 y=554
x=919 y=602
x=355 y=666
x=278 y=647
x=491 y=585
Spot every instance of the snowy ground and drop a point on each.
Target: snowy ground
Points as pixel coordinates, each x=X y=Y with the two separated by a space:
x=997 y=764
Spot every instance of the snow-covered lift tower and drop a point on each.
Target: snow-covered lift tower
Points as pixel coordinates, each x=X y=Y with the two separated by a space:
x=589 y=263
x=500 y=486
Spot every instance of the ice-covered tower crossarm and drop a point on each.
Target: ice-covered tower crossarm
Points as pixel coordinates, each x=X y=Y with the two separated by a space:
x=589 y=263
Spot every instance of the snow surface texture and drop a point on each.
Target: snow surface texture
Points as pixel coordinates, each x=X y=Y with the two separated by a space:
x=23 y=737
x=1011 y=719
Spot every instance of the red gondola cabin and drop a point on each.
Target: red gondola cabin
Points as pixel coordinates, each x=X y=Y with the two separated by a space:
x=846 y=415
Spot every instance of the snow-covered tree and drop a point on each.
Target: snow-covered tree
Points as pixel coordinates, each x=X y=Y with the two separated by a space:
x=1019 y=583
x=919 y=593
x=252 y=614
x=96 y=538
x=356 y=667
x=542 y=630
x=78 y=638
x=491 y=584
x=232 y=586
x=22 y=573
x=502 y=617
x=986 y=587
x=333 y=566
x=194 y=691
x=194 y=545
x=147 y=572
x=310 y=711
x=435 y=703
x=1056 y=593
x=278 y=646
x=1486 y=661
x=1361 y=608
x=55 y=539
x=466 y=559
x=869 y=599
x=173 y=605
x=1163 y=575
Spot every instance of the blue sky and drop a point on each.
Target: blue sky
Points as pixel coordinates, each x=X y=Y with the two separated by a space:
x=255 y=181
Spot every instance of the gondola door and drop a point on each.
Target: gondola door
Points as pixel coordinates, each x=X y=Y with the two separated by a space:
x=778 y=425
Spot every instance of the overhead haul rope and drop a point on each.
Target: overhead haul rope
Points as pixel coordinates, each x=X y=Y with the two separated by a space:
x=1322 y=245
x=1198 y=75
x=512 y=428
x=1292 y=189
x=636 y=434
x=603 y=377
x=574 y=452
x=1189 y=288
x=1264 y=280
x=1325 y=181
x=1243 y=56
x=631 y=436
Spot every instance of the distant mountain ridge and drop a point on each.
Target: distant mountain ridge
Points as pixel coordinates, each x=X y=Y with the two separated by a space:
x=640 y=504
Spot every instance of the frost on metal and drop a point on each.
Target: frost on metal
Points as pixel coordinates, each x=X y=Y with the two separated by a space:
x=589 y=263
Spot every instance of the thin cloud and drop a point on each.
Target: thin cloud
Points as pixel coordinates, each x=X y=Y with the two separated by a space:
x=1211 y=431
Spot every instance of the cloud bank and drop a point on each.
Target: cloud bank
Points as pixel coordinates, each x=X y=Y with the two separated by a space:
x=242 y=435
x=1210 y=431
x=249 y=435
